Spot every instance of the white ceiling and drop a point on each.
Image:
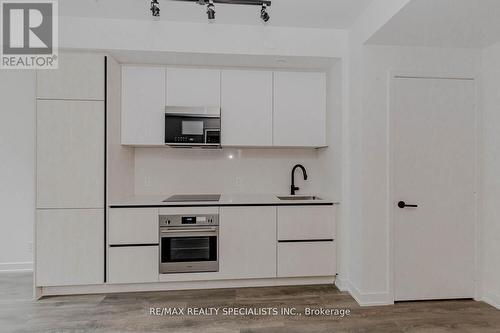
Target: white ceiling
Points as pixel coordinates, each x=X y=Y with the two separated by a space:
x=331 y=14
x=443 y=23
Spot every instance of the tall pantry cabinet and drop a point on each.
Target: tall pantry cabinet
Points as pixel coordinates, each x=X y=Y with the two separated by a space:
x=70 y=172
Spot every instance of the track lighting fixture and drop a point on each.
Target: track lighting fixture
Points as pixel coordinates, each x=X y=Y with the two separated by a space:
x=211 y=11
x=264 y=15
x=155 y=8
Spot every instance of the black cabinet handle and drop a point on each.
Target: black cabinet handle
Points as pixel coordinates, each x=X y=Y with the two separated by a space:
x=403 y=204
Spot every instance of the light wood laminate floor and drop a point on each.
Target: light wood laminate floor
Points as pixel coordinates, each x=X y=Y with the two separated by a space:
x=130 y=312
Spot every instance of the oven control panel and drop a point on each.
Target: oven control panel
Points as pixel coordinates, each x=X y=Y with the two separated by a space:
x=188 y=220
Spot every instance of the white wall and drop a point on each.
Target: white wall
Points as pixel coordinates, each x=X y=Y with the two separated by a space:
x=369 y=225
x=161 y=171
x=163 y=36
x=17 y=168
x=351 y=253
x=490 y=212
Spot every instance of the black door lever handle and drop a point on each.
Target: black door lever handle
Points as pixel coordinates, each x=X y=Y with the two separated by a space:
x=403 y=204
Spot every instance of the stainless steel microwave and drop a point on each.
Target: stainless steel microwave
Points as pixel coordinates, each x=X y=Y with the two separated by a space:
x=192 y=127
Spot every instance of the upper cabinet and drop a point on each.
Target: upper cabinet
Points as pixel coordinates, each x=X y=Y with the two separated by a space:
x=143 y=105
x=258 y=108
x=247 y=108
x=193 y=87
x=79 y=77
x=299 y=109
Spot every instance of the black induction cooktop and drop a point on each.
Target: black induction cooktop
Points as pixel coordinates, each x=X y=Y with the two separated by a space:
x=193 y=197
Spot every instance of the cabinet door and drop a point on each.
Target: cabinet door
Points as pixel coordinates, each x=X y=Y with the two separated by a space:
x=299 y=109
x=247 y=108
x=70 y=154
x=306 y=223
x=79 y=77
x=247 y=242
x=135 y=264
x=69 y=247
x=143 y=106
x=301 y=259
x=133 y=226
x=193 y=87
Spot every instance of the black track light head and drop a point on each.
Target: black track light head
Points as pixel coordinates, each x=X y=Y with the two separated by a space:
x=211 y=11
x=264 y=15
x=155 y=9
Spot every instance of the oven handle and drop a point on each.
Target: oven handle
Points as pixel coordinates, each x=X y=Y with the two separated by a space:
x=172 y=231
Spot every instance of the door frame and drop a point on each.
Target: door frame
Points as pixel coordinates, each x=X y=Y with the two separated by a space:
x=393 y=75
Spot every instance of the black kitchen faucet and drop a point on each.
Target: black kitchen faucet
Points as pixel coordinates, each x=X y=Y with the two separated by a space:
x=294 y=188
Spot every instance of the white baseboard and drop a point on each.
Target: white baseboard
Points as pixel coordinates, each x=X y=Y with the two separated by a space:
x=492 y=299
x=187 y=285
x=342 y=284
x=368 y=299
x=16 y=267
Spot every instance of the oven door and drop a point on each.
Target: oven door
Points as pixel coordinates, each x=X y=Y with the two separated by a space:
x=189 y=249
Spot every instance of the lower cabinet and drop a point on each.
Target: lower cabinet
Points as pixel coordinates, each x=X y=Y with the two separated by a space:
x=306 y=244
x=133 y=264
x=69 y=247
x=133 y=249
x=306 y=223
x=128 y=226
x=247 y=242
x=301 y=259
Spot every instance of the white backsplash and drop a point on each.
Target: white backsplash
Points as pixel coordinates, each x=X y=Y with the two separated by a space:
x=162 y=171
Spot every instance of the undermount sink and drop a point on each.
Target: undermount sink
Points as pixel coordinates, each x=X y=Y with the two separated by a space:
x=299 y=197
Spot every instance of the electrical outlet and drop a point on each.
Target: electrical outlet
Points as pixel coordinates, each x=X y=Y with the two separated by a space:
x=238 y=181
x=147 y=181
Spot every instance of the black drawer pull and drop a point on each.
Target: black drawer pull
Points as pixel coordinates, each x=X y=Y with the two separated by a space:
x=305 y=240
x=133 y=245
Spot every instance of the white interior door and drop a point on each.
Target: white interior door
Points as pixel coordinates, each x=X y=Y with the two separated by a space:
x=433 y=167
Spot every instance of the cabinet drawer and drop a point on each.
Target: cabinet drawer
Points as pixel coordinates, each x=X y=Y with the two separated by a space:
x=133 y=226
x=306 y=223
x=134 y=264
x=306 y=259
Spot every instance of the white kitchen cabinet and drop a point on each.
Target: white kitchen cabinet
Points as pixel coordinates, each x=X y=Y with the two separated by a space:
x=143 y=106
x=247 y=242
x=79 y=77
x=70 y=154
x=193 y=87
x=69 y=247
x=134 y=264
x=301 y=259
x=299 y=109
x=247 y=108
x=306 y=223
x=133 y=226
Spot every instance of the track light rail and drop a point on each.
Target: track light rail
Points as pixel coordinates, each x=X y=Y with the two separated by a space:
x=236 y=2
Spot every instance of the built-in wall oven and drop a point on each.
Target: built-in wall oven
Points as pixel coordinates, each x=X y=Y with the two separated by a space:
x=189 y=243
